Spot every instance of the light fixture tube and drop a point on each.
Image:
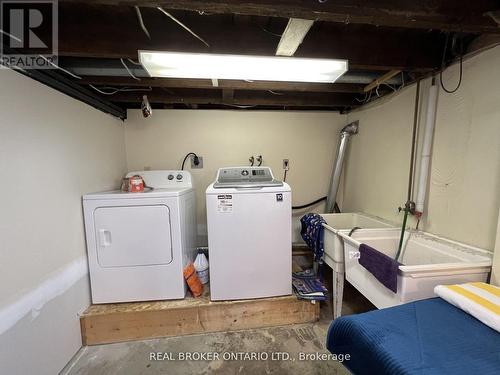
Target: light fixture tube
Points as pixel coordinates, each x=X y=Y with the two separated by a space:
x=241 y=67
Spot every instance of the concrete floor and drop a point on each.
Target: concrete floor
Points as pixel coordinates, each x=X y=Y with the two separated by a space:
x=134 y=357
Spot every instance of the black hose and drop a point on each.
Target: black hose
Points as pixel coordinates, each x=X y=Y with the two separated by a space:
x=413 y=144
x=185 y=158
x=353 y=230
x=309 y=204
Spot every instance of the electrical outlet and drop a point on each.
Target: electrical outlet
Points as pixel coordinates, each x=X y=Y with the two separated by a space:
x=200 y=163
x=286 y=164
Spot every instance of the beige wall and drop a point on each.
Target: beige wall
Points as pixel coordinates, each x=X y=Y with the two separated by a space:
x=463 y=199
x=53 y=149
x=228 y=138
x=495 y=276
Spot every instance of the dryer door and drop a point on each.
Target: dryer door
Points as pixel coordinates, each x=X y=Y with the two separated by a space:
x=133 y=236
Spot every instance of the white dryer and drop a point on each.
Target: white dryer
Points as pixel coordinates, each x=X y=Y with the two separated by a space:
x=249 y=217
x=139 y=243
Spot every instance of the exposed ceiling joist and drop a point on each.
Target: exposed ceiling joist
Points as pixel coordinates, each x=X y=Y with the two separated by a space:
x=382 y=79
x=448 y=15
x=292 y=37
x=228 y=96
x=366 y=47
x=55 y=80
x=225 y=84
x=242 y=98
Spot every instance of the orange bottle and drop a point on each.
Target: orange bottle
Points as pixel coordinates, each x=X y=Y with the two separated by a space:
x=192 y=280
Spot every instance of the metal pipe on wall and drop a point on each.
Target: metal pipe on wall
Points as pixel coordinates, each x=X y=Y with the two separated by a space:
x=345 y=134
x=425 y=159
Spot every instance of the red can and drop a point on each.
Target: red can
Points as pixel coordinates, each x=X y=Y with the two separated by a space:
x=136 y=184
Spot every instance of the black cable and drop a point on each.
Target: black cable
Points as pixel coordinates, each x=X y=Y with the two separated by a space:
x=284 y=175
x=443 y=63
x=185 y=158
x=309 y=204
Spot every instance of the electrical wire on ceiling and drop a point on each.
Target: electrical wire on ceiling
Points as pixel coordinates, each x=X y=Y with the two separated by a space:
x=270 y=32
x=391 y=87
x=128 y=70
x=43 y=57
x=141 y=21
x=443 y=66
x=116 y=89
x=275 y=93
x=134 y=62
x=400 y=86
x=368 y=95
x=10 y=36
x=61 y=69
x=183 y=26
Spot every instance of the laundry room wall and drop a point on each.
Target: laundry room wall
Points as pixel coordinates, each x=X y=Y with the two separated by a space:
x=463 y=199
x=53 y=149
x=495 y=276
x=229 y=138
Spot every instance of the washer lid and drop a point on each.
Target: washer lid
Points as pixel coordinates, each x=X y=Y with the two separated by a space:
x=245 y=177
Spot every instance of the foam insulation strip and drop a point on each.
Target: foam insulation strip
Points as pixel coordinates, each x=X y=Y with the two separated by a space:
x=34 y=300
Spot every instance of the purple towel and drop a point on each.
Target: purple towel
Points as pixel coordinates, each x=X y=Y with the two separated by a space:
x=384 y=268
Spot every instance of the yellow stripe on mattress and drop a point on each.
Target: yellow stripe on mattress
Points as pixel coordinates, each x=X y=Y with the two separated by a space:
x=475 y=298
x=489 y=288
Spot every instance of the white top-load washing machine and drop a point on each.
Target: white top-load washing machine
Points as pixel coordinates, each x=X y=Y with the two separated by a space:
x=139 y=243
x=249 y=217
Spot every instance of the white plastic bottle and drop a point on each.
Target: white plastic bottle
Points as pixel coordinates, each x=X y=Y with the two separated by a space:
x=201 y=266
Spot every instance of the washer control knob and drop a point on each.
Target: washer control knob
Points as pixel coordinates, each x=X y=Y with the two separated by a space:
x=179 y=177
x=170 y=176
x=244 y=172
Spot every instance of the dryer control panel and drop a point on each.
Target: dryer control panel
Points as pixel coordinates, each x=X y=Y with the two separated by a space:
x=164 y=179
x=246 y=177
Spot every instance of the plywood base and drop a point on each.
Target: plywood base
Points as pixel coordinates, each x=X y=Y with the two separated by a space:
x=103 y=324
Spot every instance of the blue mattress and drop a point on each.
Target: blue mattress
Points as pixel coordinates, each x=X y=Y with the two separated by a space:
x=423 y=337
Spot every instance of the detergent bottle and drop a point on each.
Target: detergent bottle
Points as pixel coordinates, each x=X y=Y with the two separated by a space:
x=201 y=266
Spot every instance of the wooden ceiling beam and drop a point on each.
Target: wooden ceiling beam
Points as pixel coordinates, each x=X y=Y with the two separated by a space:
x=240 y=98
x=114 y=32
x=380 y=80
x=448 y=15
x=225 y=84
x=228 y=96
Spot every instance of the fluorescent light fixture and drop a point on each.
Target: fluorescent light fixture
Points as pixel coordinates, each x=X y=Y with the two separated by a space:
x=242 y=67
